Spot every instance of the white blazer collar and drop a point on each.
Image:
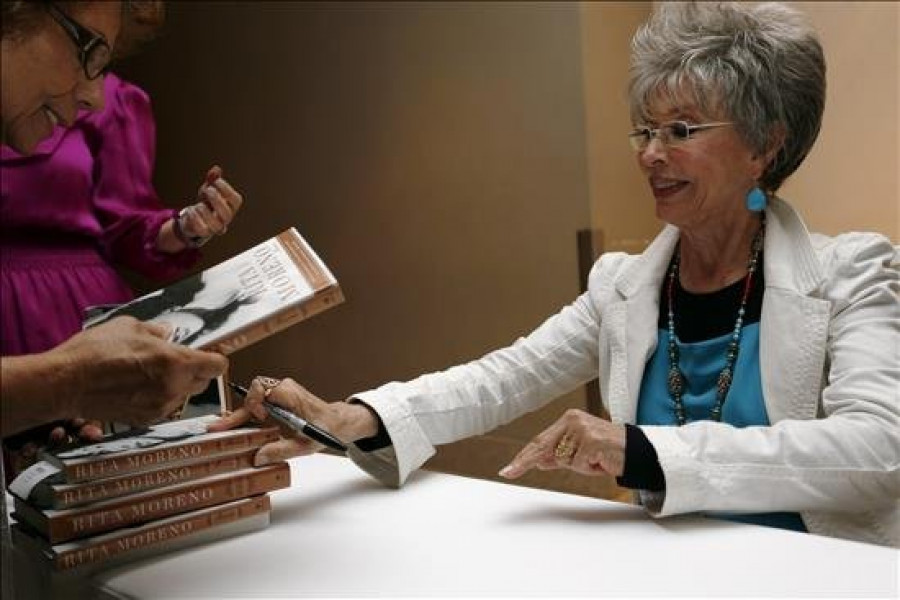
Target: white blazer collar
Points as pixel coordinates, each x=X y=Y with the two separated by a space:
x=791 y=262
x=650 y=267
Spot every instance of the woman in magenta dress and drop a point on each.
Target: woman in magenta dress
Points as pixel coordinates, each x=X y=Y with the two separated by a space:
x=83 y=205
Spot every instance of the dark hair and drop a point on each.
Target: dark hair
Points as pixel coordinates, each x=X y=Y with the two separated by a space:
x=141 y=19
x=20 y=18
x=141 y=22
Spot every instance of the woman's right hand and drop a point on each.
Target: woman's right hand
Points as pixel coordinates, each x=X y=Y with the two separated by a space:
x=127 y=371
x=349 y=422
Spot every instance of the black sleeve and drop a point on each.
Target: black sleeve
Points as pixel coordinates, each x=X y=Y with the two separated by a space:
x=642 y=470
x=378 y=441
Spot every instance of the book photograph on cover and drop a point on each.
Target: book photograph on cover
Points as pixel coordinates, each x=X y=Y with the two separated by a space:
x=223 y=298
x=138 y=438
x=211 y=401
x=240 y=301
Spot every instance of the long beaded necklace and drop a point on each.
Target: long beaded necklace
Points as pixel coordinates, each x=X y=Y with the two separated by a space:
x=676 y=379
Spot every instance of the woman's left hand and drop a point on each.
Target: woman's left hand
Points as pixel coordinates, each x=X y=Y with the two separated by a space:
x=216 y=206
x=577 y=441
x=76 y=429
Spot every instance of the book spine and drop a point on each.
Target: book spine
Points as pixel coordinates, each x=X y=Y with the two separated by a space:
x=82 y=523
x=94 y=551
x=321 y=300
x=68 y=496
x=134 y=462
x=303 y=257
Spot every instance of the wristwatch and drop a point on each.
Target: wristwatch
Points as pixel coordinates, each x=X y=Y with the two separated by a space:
x=191 y=241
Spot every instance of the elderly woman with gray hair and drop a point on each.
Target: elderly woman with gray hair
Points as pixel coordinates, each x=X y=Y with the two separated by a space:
x=750 y=368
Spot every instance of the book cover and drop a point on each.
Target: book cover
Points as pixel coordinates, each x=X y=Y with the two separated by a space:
x=169 y=444
x=246 y=298
x=156 y=537
x=69 y=524
x=47 y=494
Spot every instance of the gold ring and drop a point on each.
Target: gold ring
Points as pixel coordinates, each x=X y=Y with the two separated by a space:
x=269 y=384
x=565 y=449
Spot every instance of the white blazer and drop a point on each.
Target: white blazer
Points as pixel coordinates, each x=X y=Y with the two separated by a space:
x=830 y=368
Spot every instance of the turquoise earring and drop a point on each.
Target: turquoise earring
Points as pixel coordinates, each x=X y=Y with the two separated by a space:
x=756 y=200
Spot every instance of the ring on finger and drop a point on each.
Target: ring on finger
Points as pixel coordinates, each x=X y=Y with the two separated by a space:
x=268 y=384
x=565 y=449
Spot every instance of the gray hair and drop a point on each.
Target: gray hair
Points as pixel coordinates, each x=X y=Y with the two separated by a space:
x=761 y=65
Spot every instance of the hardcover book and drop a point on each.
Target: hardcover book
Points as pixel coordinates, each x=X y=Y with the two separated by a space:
x=63 y=525
x=167 y=444
x=242 y=300
x=47 y=494
x=130 y=543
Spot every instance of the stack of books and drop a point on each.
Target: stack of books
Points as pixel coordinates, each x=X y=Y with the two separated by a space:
x=147 y=492
x=173 y=484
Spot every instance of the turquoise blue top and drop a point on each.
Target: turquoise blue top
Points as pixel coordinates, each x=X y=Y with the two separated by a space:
x=701 y=363
x=702 y=358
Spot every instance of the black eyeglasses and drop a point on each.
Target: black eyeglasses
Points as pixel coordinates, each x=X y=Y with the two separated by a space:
x=670 y=134
x=94 y=52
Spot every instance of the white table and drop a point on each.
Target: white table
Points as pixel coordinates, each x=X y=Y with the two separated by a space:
x=338 y=533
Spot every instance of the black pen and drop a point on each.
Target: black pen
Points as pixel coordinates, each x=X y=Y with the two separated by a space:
x=292 y=421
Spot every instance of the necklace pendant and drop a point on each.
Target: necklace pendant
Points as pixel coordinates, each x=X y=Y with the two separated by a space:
x=675 y=381
x=724 y=383
x=675 y=378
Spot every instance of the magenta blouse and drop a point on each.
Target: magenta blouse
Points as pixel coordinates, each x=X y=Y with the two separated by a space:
x=70 y=214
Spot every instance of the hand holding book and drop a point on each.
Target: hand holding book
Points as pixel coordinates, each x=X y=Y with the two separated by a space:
x=124 y=371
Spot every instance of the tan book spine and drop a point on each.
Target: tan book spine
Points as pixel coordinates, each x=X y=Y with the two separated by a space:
x=304 y=259
x=61 y=526
x=71 y=495
x=134 y=461
x=321 y=301
x=105 y=548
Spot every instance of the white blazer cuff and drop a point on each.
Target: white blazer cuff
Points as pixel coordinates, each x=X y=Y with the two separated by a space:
x=684 y=484
x=411 y=446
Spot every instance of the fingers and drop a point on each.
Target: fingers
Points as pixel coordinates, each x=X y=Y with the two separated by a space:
x=215 y=172
x=58 y=435
x=91 y=431
x=284 y=449
x=283 y=392
x=201 y=221
x=160 y=330
x=579 y=442
x=229 y=196
x=235 y=419
x=202 y=365
x=537 y=452
x=128 y=372
x=554 y=448
x=217 y=204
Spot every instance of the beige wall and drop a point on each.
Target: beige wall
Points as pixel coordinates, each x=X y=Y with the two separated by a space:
x=621 y=206
x=434 y=154
x=851 y=179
